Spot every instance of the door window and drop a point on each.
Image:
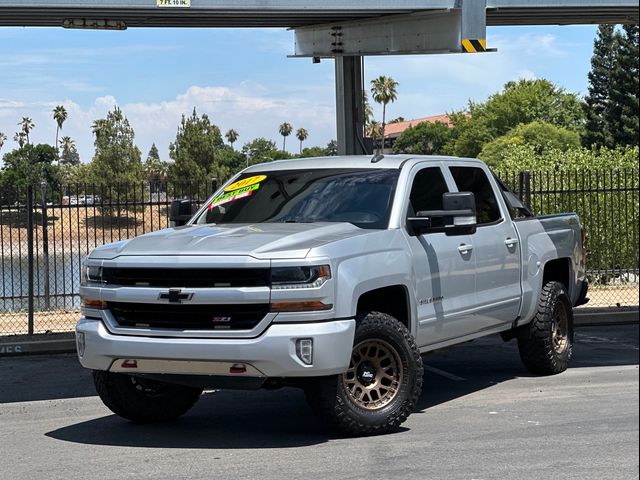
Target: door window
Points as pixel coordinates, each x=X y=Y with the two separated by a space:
x=427 y=189
x=473 y=179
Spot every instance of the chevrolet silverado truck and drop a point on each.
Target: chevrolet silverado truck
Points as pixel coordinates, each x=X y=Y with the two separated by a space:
x=334 y=275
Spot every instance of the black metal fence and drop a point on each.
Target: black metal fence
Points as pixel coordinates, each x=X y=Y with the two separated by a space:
x=45 y=233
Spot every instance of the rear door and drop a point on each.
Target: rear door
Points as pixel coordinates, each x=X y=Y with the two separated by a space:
x=444 y=270
x=495 y=247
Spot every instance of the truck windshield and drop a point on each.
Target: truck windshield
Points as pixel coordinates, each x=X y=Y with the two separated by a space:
x=362 y=197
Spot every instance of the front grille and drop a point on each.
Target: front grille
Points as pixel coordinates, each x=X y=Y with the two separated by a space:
x=187 y=277
x=188 y=317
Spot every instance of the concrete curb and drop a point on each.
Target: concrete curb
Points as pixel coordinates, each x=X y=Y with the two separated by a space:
x=595 y=317
x=37 y=345
x=65 y=343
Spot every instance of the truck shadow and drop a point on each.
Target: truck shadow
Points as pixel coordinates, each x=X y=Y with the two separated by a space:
x=281 y=419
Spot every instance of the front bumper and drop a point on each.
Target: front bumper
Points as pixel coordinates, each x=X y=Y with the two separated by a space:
x=272 y=354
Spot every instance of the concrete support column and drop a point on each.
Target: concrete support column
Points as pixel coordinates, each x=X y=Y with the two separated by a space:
x=349 y=105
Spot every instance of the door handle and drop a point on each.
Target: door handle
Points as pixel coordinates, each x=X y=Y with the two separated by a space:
x=511 y=242
x=464 y=249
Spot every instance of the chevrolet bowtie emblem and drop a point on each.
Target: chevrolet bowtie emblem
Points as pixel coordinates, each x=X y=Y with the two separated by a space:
x=175 y=295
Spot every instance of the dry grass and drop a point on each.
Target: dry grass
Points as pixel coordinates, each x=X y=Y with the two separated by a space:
x=70 y=227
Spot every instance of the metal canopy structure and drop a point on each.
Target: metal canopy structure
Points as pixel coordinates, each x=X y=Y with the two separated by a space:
x=296 y=13
x=346 y=30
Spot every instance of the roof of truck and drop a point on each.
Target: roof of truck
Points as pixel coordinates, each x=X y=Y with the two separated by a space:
x=351 y=161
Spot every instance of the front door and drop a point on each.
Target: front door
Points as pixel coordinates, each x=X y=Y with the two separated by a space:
x=444 y=270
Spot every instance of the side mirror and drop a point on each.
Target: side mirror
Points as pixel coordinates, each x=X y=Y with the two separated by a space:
x=457 y=217
x=180 y=212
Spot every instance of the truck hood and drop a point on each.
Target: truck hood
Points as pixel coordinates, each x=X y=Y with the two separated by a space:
x=263 y=240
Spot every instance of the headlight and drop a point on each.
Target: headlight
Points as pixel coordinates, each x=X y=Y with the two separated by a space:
x=90 y=274
x=299 y=277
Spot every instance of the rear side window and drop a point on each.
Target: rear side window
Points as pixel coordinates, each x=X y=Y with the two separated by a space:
x=427 y=189
x=473 y=179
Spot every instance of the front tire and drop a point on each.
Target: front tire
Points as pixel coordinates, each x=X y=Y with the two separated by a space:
x=141 y=400
x=548 y=346
x=380 y=388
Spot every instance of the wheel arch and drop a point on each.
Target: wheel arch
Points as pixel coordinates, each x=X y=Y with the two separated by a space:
x=391 y=299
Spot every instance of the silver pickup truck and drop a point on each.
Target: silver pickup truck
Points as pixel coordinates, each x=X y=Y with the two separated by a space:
x=330 y=274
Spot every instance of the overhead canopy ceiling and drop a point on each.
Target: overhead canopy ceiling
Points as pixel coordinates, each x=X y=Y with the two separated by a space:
x=296 y=13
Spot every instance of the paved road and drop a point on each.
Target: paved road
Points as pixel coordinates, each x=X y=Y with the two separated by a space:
x=480 y=417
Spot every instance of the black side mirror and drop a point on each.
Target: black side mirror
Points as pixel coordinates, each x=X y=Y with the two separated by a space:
x=457 y=217
x=180 y=212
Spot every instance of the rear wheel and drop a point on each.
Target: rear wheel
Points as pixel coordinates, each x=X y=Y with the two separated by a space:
x=142 y=400
x=381 y=386
x=548 y=347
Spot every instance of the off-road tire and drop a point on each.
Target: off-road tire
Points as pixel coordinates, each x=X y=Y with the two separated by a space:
x=539 y=349
x=332 y=402
x=141 y=400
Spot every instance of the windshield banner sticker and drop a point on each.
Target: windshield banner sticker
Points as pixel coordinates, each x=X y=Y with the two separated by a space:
x=245 y=182
x=235 y=195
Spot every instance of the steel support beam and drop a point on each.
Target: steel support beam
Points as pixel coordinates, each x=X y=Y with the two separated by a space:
x=349 y=105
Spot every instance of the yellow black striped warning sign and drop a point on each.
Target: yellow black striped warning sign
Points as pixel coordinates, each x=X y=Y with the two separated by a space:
x=472 y=45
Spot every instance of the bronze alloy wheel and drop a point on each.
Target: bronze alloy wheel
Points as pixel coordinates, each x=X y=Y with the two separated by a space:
x=560 y=327
x=374 y=376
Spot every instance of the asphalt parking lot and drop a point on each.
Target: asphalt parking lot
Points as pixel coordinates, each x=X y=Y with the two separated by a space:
x=481 y=416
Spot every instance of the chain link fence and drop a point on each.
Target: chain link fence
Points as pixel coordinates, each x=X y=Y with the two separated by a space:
x=45 y=233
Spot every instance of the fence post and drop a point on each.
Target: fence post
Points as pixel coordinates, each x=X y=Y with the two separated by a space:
x=45 y=244
x=30 y=257
x=524 y=188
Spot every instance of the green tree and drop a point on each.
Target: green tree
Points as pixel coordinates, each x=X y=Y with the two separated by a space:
x=302 y=135
x=194 y=151
x=541 y=136
x=26 y=124
x=308 y=152
x=285 y=130
x=598 y=101
x=153 y=153
x=331 y=150
x=29 y=165
x=423 y=139
x=69 y=153
x=261 y=150
x=3 y=138
x=623 y=114
x=384 y=90
x=117 y=159
x=232 y=136
x=60 y=116
x=520 y=102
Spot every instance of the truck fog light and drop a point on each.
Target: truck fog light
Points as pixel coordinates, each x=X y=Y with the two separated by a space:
x=304 y=350
x=80 y=343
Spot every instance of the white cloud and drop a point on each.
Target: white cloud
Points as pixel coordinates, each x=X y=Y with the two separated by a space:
x=251 y=109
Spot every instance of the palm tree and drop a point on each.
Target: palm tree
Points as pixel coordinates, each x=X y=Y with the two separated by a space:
x=67 y=144
x=232 y=136
x=383 y=90
x=27 y=125
x=302 y=135
x=374 y=130
x=20 y=139
x=59 y=115
x=3 y=138
x=98 y=127
x=367 y=111
x=285 y=130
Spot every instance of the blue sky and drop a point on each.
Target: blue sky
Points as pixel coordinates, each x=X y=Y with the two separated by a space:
x=243 y=79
